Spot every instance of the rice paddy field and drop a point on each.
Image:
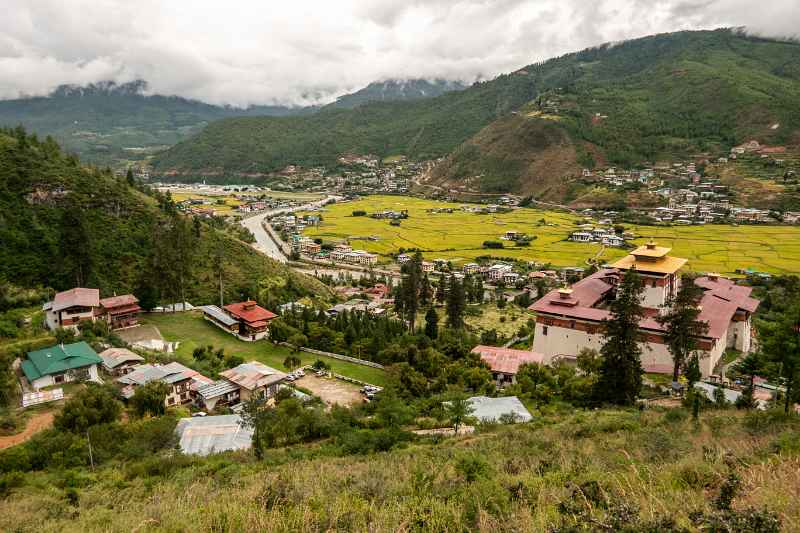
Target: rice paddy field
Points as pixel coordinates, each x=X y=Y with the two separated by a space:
x=459 y=237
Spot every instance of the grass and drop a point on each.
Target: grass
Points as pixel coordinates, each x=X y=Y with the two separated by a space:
x=531 y=477
x=459 y=237
x=193 y=331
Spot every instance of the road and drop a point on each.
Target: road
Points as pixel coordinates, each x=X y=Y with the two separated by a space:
x=264 y=243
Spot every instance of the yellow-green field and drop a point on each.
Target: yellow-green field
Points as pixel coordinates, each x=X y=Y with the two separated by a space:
x=231 y=202
x=459 y=236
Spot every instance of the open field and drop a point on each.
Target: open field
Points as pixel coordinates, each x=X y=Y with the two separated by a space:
x=459 y=236
x=193 y=331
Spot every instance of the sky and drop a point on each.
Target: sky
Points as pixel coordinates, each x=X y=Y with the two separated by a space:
x=244 y=52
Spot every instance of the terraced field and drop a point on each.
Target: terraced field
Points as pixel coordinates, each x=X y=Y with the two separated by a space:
x=459 y=237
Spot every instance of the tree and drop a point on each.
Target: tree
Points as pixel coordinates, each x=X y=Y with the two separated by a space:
x=96 y=404
x=750 y=366
x=456 y=303
x=432 y=323
x=150 y=399
x=681 y=325
x=291 y=362
x=780 y=344
x=535 y=380
x=298 y=340
x=410 y=288
x=129 y=177
x=457 y=410
x=620 y=378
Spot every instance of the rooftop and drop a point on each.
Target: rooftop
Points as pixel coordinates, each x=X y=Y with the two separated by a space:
x=58 y=358
x=651 y=258
x=76 y=297
x=250 y=311
x=213 y=434
x=119 y=301
x=506 y=360
x=253 y=375
x=113 y=357
x=488 y=409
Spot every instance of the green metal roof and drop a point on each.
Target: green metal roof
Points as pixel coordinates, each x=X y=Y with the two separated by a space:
x=56 y=359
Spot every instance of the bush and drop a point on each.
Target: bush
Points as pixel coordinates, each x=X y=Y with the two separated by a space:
x=89 y=407
x=472 y=467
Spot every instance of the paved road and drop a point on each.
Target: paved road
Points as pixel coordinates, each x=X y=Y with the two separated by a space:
x=263 y=242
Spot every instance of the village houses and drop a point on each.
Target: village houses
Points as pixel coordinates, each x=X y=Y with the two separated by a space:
x=59 y=364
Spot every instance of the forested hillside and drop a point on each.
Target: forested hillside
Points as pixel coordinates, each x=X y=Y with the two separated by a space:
x=669 y=95
x=63 y=225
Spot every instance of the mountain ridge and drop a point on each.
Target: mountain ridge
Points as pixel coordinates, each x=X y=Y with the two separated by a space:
x=663 y=96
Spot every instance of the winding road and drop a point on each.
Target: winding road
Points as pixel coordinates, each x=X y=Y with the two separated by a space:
x=264 y=243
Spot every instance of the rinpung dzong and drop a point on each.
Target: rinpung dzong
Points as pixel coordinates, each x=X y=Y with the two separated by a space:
x=70 y=308
x=570 y=319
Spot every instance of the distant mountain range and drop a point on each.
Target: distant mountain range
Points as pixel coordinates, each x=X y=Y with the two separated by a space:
x=657 y=98
x=396 y=90
x=110 y=123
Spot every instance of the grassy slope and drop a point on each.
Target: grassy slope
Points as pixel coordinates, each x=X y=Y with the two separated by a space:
x=664 y=467
x=193 y=331
x=459 y=237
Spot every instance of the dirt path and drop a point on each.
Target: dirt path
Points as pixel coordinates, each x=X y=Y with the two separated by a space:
x=35 y=424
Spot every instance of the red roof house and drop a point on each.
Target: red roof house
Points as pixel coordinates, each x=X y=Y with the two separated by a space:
x=120 y=311
x=505 y=362
x=253 y=319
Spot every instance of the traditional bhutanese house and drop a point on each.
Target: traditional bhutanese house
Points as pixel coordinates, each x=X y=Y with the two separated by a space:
x=183 y=382
x=253 y=319
x=240 y=384
x=570 y=319
x=69 y=308
x=120 y=361
x=61 y=363
x=505 y=362
x=255 y=380
x=120 y=311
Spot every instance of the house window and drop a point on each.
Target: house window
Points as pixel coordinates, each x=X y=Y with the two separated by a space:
x=171 y=401
x=544 y=330
x=571 y=324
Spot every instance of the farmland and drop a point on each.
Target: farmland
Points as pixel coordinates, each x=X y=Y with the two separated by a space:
x=459 y=237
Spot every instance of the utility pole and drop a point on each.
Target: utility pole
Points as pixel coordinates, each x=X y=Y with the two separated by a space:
x=91 y=458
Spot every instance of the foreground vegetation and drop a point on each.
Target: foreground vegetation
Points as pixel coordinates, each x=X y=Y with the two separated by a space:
x=566 y=471
x=459 y=237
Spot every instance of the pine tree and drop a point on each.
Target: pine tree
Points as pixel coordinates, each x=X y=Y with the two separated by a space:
x=129 y=177
x=431 y=323
x=456 y=302
x=620 y=377
x=681 y=325
x=780 y=343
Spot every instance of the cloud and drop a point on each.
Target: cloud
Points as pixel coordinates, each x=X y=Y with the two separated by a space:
x=255 y=52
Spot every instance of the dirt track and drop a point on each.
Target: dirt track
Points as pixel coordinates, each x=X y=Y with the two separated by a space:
x=36 y=423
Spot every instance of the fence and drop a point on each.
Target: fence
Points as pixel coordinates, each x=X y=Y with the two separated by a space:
x=336 y=356
x=35 y=398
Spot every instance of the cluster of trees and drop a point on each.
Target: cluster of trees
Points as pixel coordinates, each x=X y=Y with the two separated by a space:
x=65 y=225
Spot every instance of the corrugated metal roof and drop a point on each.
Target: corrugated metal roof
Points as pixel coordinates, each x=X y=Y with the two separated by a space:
x=491 y=409
x=219 y=315
x=217 y=388
x=213 y=434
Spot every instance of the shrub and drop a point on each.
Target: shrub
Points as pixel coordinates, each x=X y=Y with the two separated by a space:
x=91 y=406
x=472 y=467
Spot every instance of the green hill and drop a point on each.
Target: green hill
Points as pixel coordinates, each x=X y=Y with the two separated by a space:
x=658 y=97
x=107 y=123
x=64 y=225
